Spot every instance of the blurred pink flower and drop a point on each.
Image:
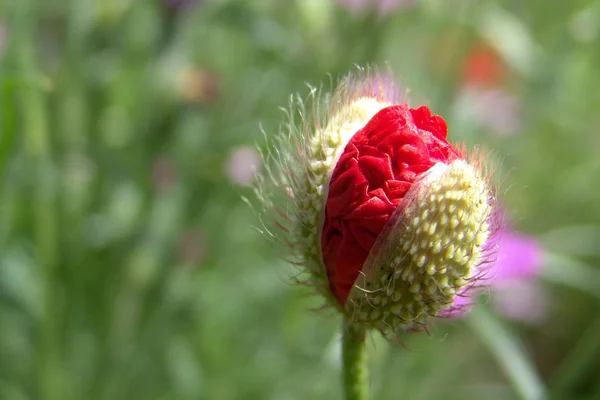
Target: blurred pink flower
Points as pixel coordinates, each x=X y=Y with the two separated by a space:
x=522 y=300
x=516 y=293
x=383 y=6
x=512 y=279
x=519 y=258
x=242 y=164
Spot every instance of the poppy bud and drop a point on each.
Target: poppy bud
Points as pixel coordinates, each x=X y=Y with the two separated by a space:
x=390 y=221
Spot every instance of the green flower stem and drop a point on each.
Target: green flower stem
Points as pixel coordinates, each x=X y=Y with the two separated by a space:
x=354 y=359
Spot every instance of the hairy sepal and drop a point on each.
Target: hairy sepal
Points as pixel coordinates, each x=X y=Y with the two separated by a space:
x=430 y=251
x=299 y=163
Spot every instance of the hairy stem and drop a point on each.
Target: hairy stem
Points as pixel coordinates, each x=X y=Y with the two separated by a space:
x=354 y=357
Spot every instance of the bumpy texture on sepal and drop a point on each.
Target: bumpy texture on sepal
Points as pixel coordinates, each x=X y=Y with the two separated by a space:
x=429 y=252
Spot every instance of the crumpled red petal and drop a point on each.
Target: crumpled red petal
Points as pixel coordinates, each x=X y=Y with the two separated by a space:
x=376 y=169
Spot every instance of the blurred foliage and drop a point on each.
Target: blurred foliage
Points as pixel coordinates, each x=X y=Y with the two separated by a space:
x=129 y=266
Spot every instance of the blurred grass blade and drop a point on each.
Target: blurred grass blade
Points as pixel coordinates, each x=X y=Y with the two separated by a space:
x=571 y=272
x=7 y=120
x=577 y=240
x=508 y=351
x=579 y=360
x=32 y=102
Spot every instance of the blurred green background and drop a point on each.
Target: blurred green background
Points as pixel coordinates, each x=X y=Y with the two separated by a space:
x=129 y=266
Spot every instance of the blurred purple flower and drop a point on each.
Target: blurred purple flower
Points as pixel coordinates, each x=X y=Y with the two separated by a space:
x=512 y=280
x=489 y=108
x=383 y=6
x=519 y=258
x=242 y=165
x=515 y=290
x=522 y=300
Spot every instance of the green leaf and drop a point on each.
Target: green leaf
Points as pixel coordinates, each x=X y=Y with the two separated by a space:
x=509 y=353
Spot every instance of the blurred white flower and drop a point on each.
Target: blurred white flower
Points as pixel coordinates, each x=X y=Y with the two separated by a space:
x=242 y=165
x=510 y=36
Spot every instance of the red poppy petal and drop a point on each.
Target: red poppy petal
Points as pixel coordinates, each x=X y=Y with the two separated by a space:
x=376 y=169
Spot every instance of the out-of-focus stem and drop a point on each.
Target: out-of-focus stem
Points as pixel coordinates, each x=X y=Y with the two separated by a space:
x=354 y=360
x=31 y=101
